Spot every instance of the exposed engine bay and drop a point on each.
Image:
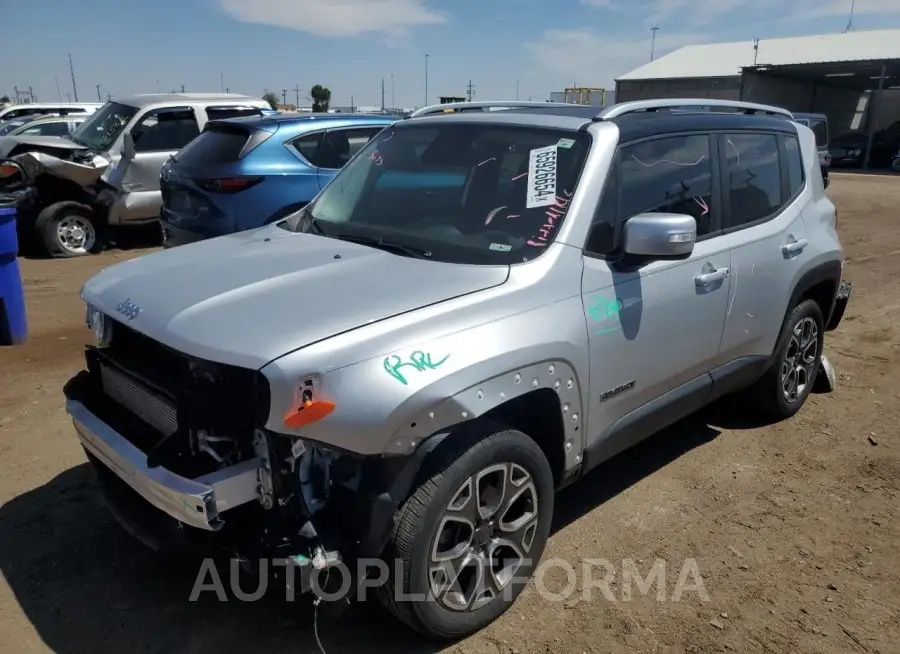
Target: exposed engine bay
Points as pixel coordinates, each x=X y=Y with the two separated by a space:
x=273 y=495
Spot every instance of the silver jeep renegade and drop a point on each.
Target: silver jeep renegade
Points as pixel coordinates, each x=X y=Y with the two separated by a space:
x=488 y=301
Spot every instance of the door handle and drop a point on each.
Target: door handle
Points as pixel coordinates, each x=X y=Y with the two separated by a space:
x=717 y=275
x=794 y=246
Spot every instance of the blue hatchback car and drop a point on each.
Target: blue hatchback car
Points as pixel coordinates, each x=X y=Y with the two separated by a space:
x=243 y=173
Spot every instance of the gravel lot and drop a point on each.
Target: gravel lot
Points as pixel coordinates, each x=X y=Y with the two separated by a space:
x=793 y=526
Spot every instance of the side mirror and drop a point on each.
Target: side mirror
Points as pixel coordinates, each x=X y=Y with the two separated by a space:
x=660 y=235
x=128 y=145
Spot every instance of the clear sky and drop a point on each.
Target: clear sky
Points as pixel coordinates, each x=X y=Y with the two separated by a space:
x=137 y=46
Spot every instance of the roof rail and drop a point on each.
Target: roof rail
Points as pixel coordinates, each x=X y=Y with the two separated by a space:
x=483 y=105
x=693 y=103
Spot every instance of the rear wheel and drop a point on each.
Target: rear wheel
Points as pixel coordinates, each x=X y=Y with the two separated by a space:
x=784 y=388
x=68 y=229
x=470 y=536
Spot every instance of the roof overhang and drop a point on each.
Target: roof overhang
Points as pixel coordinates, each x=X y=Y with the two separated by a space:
x=854 y=75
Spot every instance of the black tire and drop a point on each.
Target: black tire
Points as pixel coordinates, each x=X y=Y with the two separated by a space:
x=767 y=393
x=466 y=453
x=48 y=223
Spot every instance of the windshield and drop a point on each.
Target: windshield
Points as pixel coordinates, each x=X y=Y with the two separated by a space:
x=464 y=193
x=103 y=127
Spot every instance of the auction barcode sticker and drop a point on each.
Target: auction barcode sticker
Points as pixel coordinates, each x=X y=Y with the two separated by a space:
x=541 y=177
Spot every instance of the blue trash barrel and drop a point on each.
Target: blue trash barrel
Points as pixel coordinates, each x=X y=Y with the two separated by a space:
x=13 y=324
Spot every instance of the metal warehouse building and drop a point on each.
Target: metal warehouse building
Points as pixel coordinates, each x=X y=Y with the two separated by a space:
x=829 y=74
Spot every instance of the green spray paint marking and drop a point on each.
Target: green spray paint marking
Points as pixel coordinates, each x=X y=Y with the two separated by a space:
x=418 y=360
x=602 y=310
x=191 y=509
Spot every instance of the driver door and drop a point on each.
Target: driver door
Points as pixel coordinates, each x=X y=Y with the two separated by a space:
x=158 y=135
x=654 y=327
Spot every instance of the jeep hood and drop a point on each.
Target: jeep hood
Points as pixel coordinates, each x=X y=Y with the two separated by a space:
x=249 y=298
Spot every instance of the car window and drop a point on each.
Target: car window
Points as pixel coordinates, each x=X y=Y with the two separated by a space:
x=669 y=175
x=48 y=129
x=236 y=111
x=820 y=129
x=165 y=130
x=794 y=164
x=218 y=144
x=467 y=193
x=602 y=236
x=339 y=145
x=308 y=146
x=753 y=177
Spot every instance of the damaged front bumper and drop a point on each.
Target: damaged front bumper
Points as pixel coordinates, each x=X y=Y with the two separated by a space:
x=196 y=502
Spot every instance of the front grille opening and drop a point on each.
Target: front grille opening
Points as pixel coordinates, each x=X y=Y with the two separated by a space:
x=162 y=397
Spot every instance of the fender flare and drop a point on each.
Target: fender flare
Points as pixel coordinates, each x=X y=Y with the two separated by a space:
x=829 y=271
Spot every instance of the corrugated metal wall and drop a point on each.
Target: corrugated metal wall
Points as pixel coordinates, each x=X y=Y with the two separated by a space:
x=836 y=103
x=719 y=88
x=840 y=105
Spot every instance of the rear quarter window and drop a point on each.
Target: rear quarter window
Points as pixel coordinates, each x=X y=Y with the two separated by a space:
x=214 y=146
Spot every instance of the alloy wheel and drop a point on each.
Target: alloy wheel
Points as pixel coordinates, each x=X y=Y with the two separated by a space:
x=800 y=359
x=484 y=537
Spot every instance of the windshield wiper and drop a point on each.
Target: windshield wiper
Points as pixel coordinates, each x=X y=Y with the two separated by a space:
x=380 y=243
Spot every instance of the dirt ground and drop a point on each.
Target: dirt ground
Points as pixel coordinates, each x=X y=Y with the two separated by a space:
x=793 y=526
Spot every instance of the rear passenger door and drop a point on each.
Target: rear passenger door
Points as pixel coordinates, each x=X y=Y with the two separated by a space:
x=763 y=184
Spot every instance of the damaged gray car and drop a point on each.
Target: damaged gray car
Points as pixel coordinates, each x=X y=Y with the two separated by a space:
x=479 y=309
x=72 y=189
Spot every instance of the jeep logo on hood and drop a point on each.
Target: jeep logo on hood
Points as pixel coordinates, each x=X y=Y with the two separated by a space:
x=128 y=309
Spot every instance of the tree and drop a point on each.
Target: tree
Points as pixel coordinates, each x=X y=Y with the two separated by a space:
x=272 y=99
x=4 y=99
x=321 y=97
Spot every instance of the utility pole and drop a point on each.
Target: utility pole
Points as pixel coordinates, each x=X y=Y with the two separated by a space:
x=157 y=86
x=382 y=95
x=99 y=97
x=849 y=27
x=68 y=96
x=16 y=89
x=426 y=80
x=297 y=91
x=393 y=102
x=72 y=71
x=470 y=91
x=58 y=93
x=222 y=81
x=284 y=96
x=517 y=88
x=654 y=30
x=31 y=93
x=108 y=96
x=352 y=105
x=182 y=88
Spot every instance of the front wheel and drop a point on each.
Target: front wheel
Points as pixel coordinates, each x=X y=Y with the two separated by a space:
x=470 y=536
x=895 y=164
x=68 y=229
